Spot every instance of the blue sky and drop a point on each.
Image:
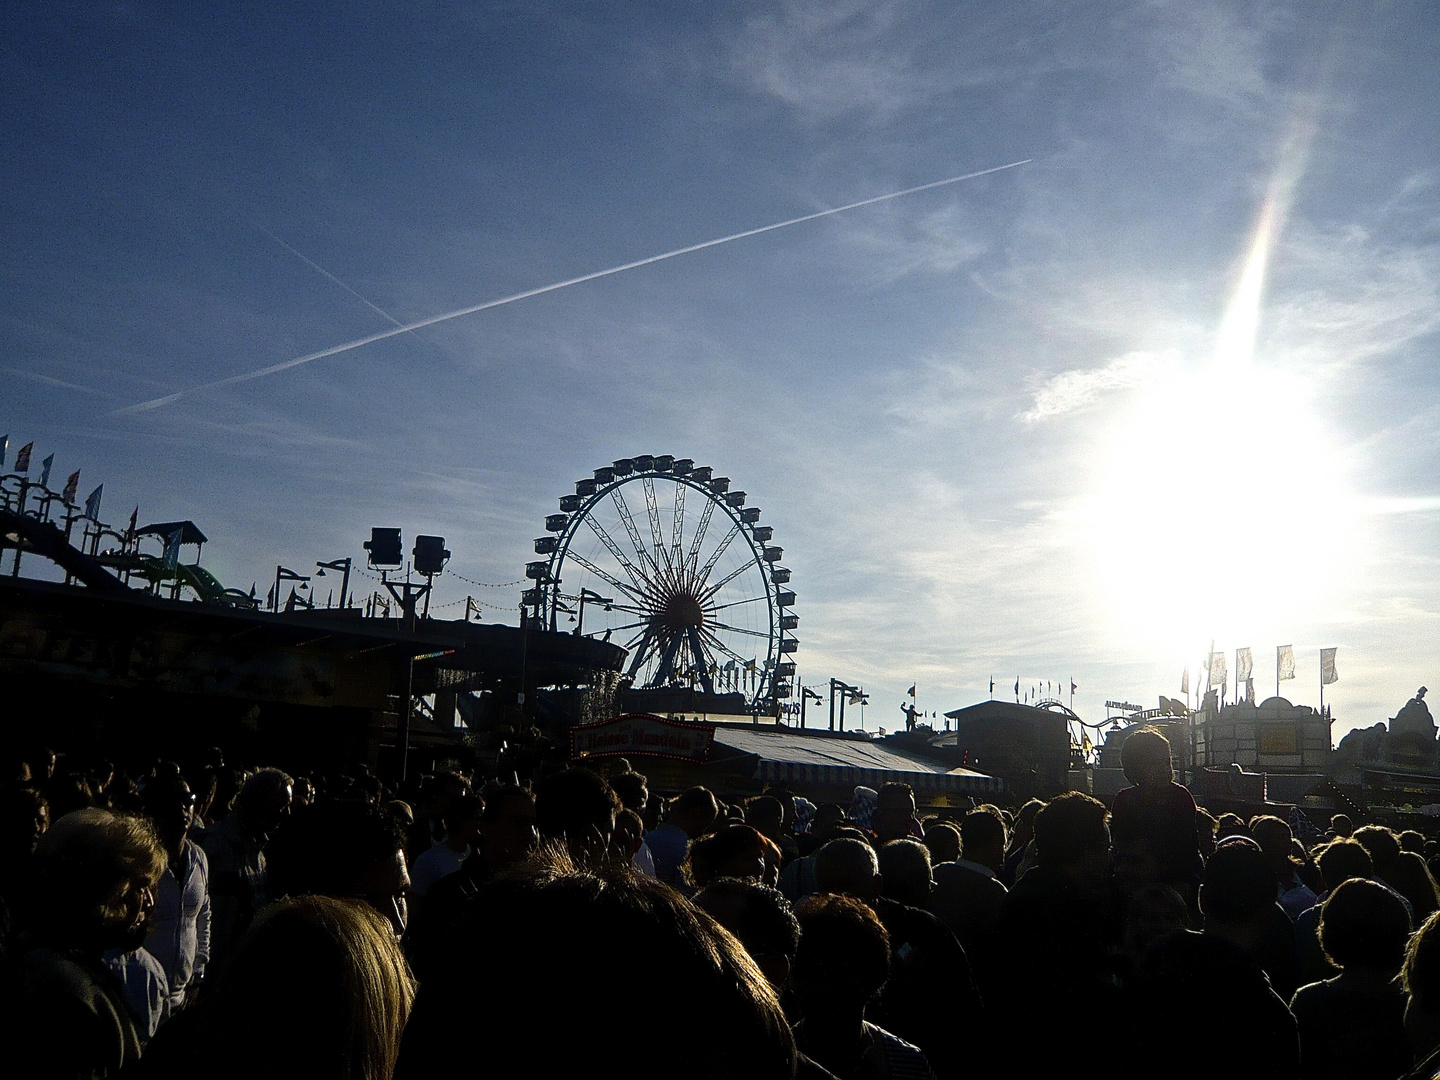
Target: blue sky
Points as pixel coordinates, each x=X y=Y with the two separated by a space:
x=996 y=426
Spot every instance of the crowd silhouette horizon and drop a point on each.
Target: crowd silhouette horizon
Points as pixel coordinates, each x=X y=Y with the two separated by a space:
x=206 y=920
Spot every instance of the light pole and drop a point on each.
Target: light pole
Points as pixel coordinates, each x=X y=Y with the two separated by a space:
x=284 y=574
x=806 y=693
x=342 y=565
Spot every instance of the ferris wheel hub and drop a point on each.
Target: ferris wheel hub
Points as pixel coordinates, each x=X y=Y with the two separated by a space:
x=681 y=611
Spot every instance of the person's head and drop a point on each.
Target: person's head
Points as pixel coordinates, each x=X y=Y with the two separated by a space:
x=1204 y=831
x=94 y=880
x=1421 y=976
x=631 y=788
x=1365 y=927
x=1072 y=835
x=1380 y=842
x=828 y=818
x=695 y=811
x=1274 y=837
x=628 y=837
x=317 y=987
x=765 y=813
x=1412 y=840
x=905 y=872
x=562 y=927
x=1341 y=825
x=843 y=959
x=507 y=825
x=1410 y=877
x=577 y=808
x=1228 y=825
x=345 y=849
x=849 y=867
x=1153 y=912
x=170 y=804
x=462 y=819
x=943 y=840
x=1145 y=758
x=1237 y=893
x=894 y=812
x=760 y=918
x=982 y=831
x=1024 y=830
x=24 y=817
x=264 y=801
x=1341 y=860
x=736 y=851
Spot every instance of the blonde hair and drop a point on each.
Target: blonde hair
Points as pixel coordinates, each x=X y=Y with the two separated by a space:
x=91 y=859
x=352 y=1003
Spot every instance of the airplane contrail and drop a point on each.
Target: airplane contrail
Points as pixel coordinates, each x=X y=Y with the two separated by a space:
x=419 y=324
x=327 y=274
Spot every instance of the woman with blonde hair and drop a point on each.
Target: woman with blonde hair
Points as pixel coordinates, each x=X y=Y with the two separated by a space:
x=316 y=989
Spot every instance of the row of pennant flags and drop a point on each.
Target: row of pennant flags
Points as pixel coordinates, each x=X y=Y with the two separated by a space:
x=72 y=485
x=1217 y=668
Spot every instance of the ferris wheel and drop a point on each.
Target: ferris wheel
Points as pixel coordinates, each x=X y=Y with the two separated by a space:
x=662 y=557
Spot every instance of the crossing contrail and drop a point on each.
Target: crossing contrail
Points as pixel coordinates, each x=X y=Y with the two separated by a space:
x=420 y=324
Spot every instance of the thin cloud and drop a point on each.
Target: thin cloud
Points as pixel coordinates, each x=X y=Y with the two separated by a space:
x=1078 y=389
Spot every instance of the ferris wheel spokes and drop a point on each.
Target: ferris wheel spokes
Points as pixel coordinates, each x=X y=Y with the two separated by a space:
x=639 y=596
x=637 y=576
x=713 y=589
x=618 y=498
x=704 y=573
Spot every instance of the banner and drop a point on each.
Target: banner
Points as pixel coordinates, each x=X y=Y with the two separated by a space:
x=1217 y=669
x=45 y=471
x=22 y=458
x=1285 y=662
x=1249 y=691
x=92 y=504
x=1244 y=666
x=1327 y=667
x=72 y=485
x=1185 y=680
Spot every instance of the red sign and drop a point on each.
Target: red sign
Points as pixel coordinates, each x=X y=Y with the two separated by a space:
x=643 y=733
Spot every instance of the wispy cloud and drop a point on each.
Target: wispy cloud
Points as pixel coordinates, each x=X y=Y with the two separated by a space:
x=1079 y=388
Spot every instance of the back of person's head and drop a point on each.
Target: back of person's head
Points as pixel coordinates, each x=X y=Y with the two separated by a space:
x=695 y=811
x=736 y=851
x=1227 y=825
x=1026 y=817
x=1412 y=840
x=343 y=848
x=1071 y=829
x=561 y=927
x=982 y=831
x=894 y=812
x=943 y=840
x=317 y=987
x=1272 y=834
x=1410 y=877
x=828 y=816
x=24 y=817
x=896 y=795
x=1153 y=912
x=765 y=813
x=1421 y=977
x=849 y=866
x=1239 y=883
x=90 y=868
x=1380 y=842
x=631 y=788
x=1364 y=925
x=462 y=814
x=1341 y=860
x=760 y=918
x=844 y=956
x=1341 y=825
x=905 y=872
x=1145 y=757
x=576 y=807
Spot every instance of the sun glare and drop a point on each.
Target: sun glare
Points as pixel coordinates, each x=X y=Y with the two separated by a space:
x=1212 y=506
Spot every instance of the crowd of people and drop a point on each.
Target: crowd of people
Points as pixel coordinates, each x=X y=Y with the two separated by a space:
x=208 y=921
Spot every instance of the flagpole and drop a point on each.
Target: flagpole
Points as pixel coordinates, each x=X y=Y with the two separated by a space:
x=1322 y=683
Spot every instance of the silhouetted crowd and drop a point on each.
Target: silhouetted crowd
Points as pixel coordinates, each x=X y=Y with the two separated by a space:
x=212 y=922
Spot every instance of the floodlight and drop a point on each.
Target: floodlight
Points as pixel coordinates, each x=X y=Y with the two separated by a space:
x=430 y=554
x=385 y=548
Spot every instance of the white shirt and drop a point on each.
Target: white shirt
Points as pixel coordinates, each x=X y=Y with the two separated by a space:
x=439 y=862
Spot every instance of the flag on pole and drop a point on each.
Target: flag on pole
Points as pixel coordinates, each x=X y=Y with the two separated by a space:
x=134 y=520
x=1249 y=691
x=1017 y=686
x=1218 y=672
x=22 y=458
x=1073 y=687
x=911 y=691
x=270 y=597
x=1327 y=667
x=1185 y=680
x=1244 y=665
x=4 y=442
x=92 y=503
x=1285 y=662
x=71 y=486
x=45 y=470
x=992 y=685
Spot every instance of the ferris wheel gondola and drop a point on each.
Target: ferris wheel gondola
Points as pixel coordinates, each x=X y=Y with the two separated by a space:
x=666 y=559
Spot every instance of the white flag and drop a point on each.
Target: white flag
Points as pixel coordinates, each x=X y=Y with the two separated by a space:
x=1327 y=667
x=1285 y=661
x=1185 y=680
x=1249 y=691
x=1217 y=669
x=1244 y=666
